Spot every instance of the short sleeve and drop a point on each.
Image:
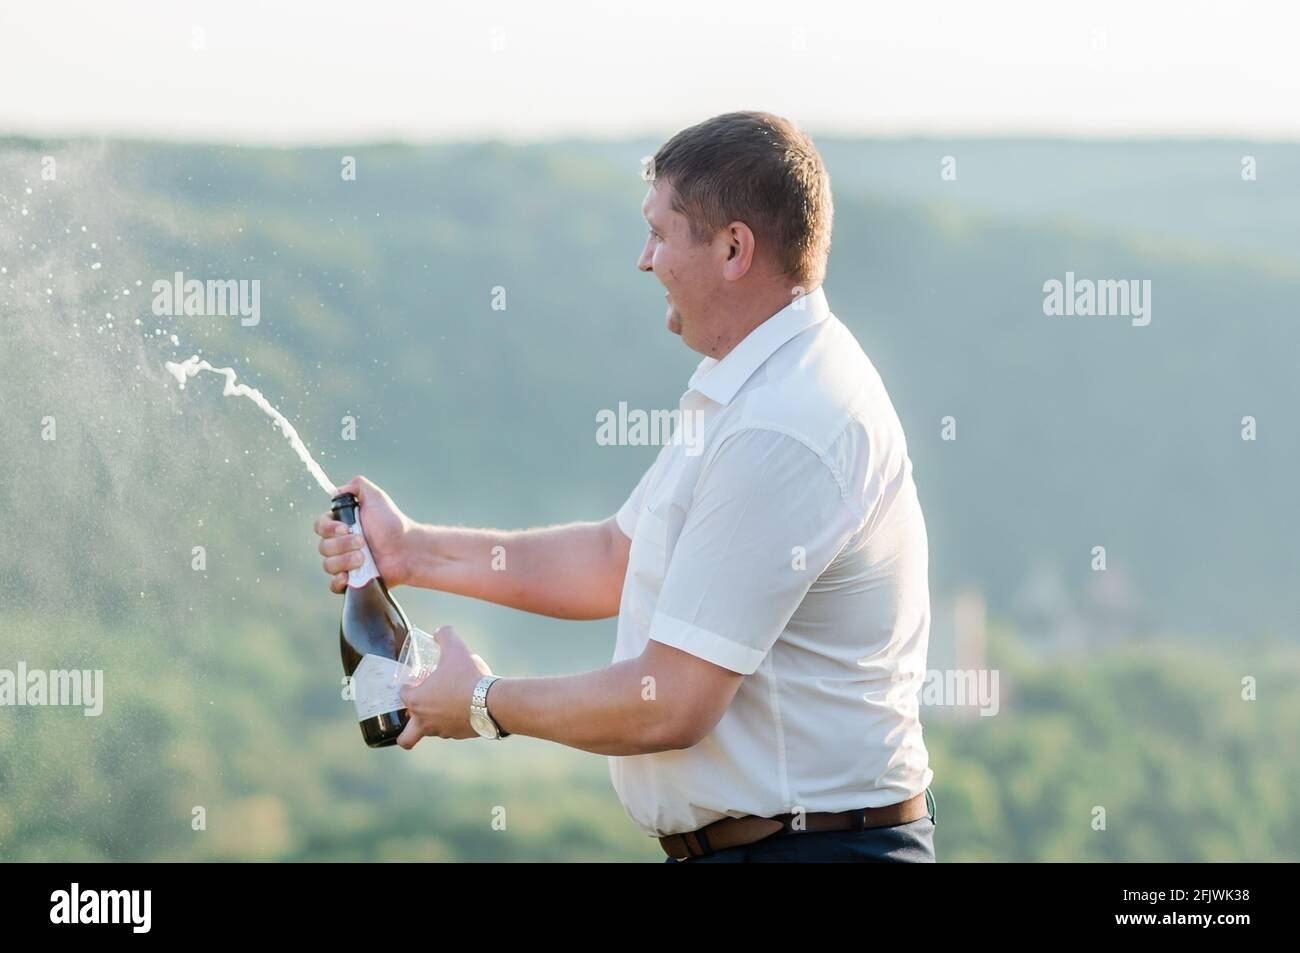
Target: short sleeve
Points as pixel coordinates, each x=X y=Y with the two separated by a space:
x=627 y=514
x=766 y=519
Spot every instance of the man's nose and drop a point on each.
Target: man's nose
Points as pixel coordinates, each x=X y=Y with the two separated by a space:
x=645 y=262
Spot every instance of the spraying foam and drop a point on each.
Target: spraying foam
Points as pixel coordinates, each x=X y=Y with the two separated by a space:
x=190 y=368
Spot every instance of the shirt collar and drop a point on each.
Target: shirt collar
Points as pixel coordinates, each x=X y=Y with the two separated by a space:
x=720 y=381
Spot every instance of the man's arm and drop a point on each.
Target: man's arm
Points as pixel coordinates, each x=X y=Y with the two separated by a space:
x=664 y=700
x=571 y=572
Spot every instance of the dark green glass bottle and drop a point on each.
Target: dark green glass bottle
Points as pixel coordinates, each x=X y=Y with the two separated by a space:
x=372 y=631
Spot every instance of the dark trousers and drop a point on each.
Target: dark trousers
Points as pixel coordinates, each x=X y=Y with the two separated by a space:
x=905 y=843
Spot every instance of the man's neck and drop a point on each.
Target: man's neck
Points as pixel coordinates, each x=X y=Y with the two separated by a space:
x=749 y=316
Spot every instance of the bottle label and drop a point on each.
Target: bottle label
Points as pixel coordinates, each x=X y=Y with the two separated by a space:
x=367 y=570
x=377 y=685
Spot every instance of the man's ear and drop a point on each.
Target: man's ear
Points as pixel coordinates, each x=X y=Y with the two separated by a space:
x=740 y=251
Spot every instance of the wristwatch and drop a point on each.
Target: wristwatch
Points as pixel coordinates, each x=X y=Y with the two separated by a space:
x=480 y=718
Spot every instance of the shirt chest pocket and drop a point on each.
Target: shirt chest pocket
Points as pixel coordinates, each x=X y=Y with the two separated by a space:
x=647 y=560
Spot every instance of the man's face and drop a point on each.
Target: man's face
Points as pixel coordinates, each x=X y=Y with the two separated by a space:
x=688 y=269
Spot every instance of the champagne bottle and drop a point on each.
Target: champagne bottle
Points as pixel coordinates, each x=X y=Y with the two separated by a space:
x=371 y=633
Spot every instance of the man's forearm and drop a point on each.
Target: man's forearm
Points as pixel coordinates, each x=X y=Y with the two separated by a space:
x=611 y=711
x=570 y=572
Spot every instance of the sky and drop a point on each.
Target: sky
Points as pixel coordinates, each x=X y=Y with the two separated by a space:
x=334 y=71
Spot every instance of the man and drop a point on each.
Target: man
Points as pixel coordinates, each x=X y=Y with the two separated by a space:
x=769 y=575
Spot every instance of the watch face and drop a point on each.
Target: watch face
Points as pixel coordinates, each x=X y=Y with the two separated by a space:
x=482 y=725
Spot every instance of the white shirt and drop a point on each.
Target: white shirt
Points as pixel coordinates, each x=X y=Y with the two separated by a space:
x=783 y=541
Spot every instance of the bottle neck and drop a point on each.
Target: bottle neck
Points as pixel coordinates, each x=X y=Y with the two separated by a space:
x=346 y=511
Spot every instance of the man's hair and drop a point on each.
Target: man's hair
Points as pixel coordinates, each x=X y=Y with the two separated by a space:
x=759 y=169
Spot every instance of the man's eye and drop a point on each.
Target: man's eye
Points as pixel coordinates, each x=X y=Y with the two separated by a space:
x=655 y=235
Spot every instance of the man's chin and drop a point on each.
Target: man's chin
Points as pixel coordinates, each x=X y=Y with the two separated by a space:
x=674 y=321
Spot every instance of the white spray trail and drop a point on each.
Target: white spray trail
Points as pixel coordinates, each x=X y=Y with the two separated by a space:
x=190 y=368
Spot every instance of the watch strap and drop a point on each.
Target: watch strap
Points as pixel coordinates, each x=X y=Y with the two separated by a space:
x=478 y=703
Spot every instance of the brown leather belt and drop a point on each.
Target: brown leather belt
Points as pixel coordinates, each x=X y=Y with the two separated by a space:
x=739 y=831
